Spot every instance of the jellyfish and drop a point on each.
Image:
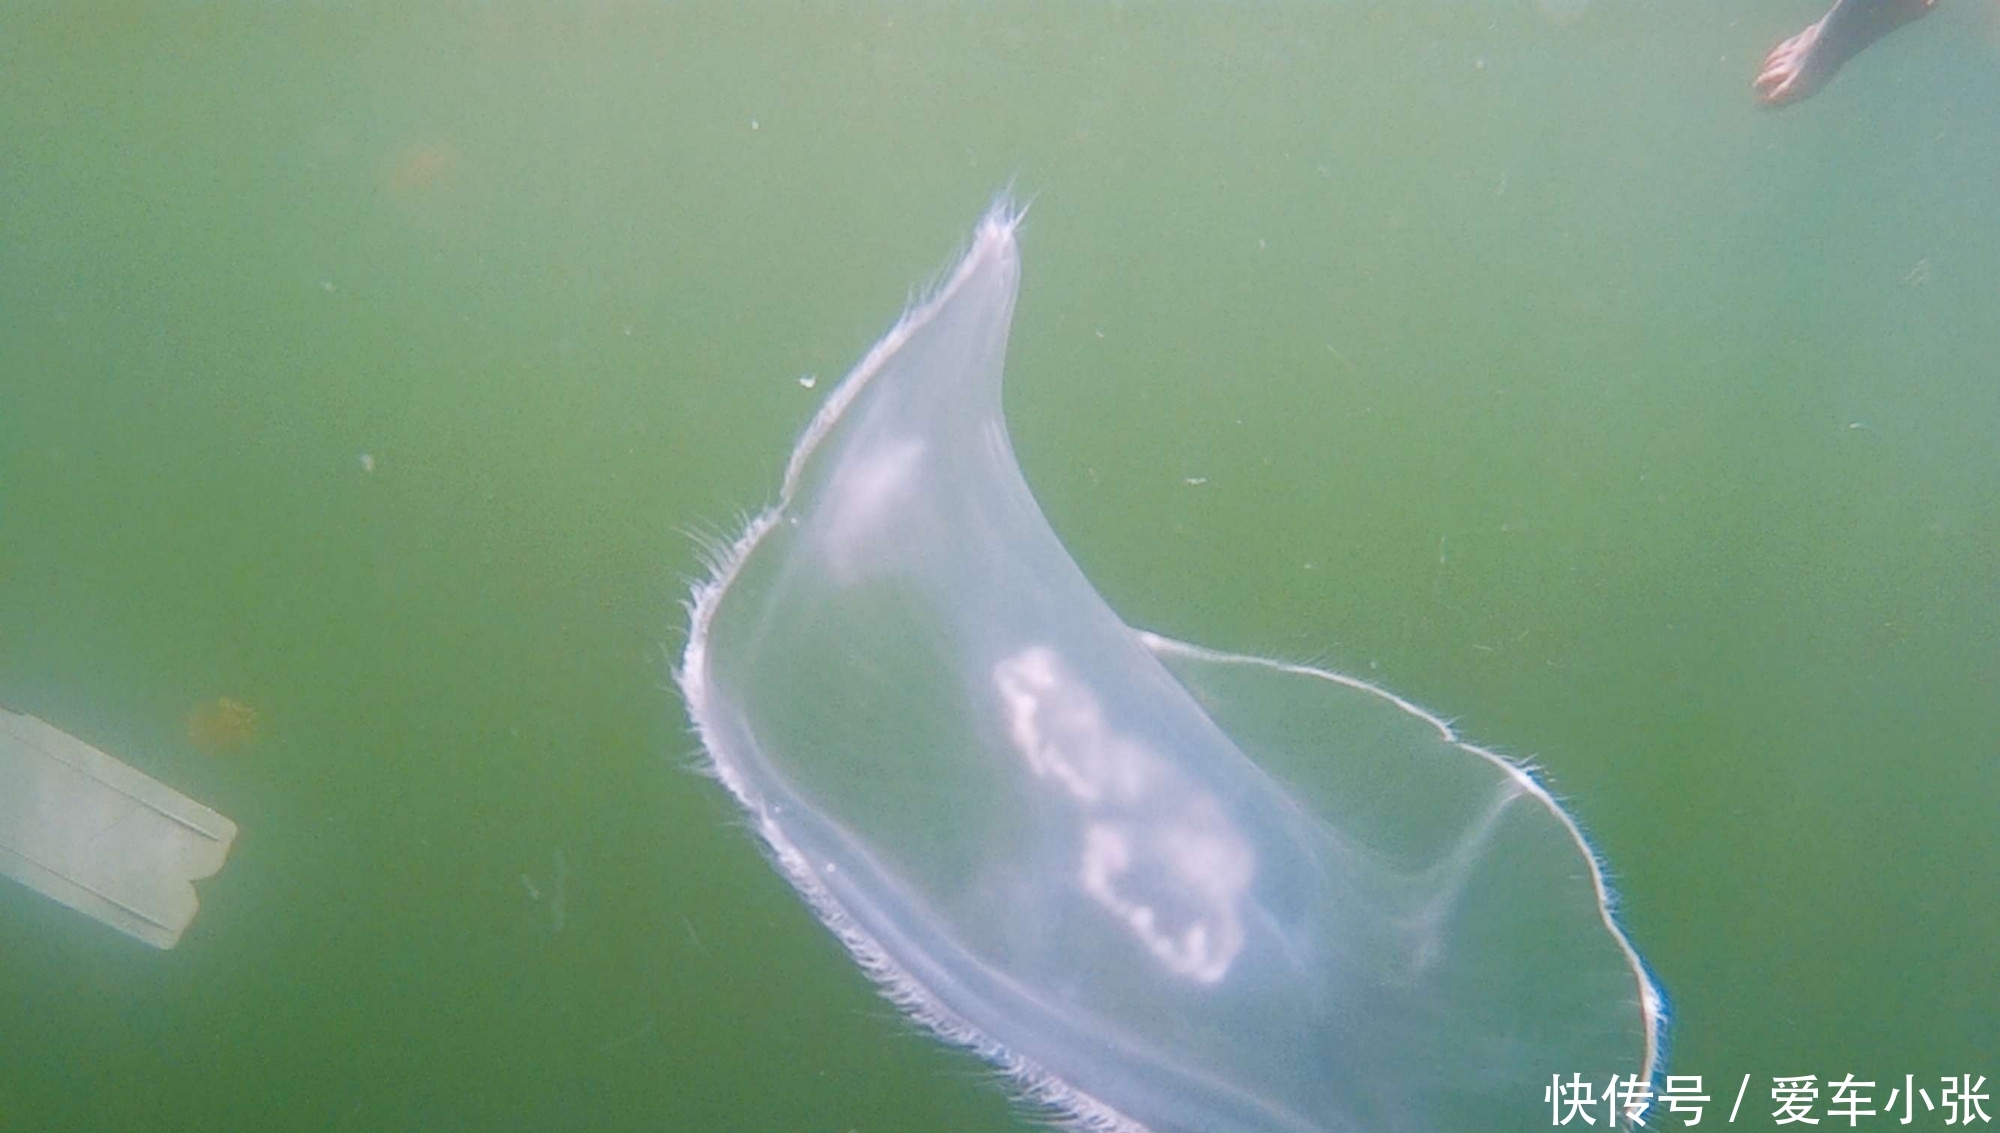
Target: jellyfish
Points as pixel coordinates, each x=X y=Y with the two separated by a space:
x=1161 y=887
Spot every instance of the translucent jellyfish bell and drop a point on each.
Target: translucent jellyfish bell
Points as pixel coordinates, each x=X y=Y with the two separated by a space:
x=1162 y=888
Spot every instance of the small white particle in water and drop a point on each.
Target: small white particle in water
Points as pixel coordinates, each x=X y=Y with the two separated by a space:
x=753 y=123
x=809 y=381
x=326 y=285
x=367 y=462
x=628 y=331
x=558 y=913
x=830 y=867
x=1194 y=481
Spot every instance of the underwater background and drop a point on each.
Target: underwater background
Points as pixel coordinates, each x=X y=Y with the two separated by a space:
x=371 y=375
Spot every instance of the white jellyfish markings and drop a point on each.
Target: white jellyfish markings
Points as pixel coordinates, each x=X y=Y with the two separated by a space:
x=864 y=500
x=1157 y=852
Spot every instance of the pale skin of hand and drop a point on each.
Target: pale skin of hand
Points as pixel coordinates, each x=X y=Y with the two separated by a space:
x=1798 y=67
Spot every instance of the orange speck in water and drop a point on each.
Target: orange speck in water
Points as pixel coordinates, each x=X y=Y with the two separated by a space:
x=222 y=726
x=422 y=167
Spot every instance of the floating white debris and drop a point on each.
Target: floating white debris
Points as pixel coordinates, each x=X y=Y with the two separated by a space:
x=101 y=837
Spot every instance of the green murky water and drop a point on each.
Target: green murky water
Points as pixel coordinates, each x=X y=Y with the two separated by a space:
x=372 y=369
